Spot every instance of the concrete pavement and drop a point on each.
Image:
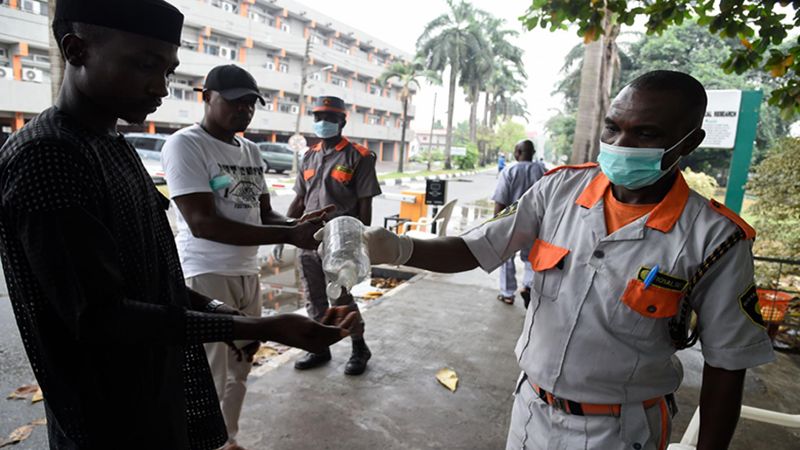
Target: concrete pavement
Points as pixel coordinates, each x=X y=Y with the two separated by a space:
x=433 y=322
x=453 y=321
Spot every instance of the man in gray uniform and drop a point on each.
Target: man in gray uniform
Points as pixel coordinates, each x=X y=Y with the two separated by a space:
x=514 y=181
x=335 y=172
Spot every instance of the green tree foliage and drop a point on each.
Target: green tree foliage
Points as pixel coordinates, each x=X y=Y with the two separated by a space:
x=561 y=129
x=701 y=183
x=470 y=161
x=761 y=27
x=776 y=185
x=507 y=136
x=688 y=48
x=407 y=74
x=447 y=42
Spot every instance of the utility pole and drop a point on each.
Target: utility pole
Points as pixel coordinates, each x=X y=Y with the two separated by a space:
x=296 y=158
x=433 y=122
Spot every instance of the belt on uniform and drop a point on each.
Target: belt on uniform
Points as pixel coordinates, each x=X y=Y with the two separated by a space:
x=585 y=409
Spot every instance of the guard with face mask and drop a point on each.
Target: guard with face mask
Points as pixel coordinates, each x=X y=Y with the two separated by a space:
x=335 y=172
x=616 y=252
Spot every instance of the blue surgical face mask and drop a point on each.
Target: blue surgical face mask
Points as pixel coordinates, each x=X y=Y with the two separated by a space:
x=325 y=129
x=634 y=168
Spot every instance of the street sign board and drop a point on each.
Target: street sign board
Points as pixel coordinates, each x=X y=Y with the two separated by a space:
x=435 y=192
x=297 y=142
x=458 y=151
x=722 y=118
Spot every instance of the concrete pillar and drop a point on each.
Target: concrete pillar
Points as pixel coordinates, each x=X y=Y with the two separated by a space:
x=19 y=121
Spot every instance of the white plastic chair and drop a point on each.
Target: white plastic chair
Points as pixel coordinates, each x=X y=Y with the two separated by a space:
x=422 y=228
x=689 y=440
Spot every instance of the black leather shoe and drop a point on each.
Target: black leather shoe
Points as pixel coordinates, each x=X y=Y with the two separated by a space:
x=312 y=360
x=526 y=296
x=357 y=363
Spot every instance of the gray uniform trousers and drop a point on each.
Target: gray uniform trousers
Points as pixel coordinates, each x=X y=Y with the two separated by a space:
x=313 y=280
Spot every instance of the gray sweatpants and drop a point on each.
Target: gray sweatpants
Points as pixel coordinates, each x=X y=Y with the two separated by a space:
x=230 y=375
x=313 y=279
x=508 y=275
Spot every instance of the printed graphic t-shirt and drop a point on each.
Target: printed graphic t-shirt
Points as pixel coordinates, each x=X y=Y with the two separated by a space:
x=191 y=159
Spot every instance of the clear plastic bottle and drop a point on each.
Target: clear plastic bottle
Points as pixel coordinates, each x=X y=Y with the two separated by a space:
x=345 y=260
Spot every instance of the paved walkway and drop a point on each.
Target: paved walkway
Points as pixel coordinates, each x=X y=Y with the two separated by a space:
x=450 y=321
x=434 y=322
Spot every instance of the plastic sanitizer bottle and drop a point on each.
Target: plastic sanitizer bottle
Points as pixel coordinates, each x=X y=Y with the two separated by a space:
x=345 y=260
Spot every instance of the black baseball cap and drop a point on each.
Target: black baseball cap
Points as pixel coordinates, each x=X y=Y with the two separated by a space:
x=232 y=82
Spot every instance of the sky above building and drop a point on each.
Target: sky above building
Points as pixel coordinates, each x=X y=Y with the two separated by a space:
x=401 y=23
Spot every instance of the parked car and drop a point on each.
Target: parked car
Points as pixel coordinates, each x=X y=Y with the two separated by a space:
x=277 y=156
x=148 y=146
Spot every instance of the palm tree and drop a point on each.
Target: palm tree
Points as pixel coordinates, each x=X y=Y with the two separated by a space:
x=504 y=84
x=447 y=41
x=406 y=74
x=600 y=61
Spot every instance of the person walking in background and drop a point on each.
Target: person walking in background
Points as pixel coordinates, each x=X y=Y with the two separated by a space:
x=501 y=163
x=515 y=181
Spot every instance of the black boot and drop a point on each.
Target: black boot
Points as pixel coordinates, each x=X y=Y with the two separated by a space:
x=526 y=296
x=312 y=360
x=357 y=363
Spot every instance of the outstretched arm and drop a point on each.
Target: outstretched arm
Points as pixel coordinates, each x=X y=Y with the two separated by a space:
x=720 y=405
x=444 y=255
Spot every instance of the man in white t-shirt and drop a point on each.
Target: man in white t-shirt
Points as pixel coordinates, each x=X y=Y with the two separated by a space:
x=216 y=179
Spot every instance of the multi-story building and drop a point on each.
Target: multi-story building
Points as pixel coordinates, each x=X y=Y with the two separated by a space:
x=267 y=37
x=434 y=139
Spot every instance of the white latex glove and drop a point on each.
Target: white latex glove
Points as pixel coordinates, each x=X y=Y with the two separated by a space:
x=385 y=247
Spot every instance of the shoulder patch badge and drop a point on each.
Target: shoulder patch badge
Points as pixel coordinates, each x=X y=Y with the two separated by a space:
x=663 y=280
x=748 y=302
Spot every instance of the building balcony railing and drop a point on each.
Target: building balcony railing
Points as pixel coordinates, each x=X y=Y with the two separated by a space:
x=24 y=97
x=201 y=15
x=23 y=26
x=181 y=113
x=198 y=64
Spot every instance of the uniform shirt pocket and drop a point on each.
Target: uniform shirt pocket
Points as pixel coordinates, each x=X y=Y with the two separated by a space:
x=654 y=302
x=342 y=174
x=547 y=261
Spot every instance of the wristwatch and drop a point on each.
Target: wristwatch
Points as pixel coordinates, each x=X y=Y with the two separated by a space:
x=213 y=305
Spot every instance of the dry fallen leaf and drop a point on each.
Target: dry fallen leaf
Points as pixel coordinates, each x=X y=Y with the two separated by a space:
x=23 y=392
x=18 y=435
x=41 y=421
x=37 y=396
x=264 y=353
x=448 y=378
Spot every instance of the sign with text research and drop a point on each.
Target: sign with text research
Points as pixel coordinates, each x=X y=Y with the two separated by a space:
x=722 y=118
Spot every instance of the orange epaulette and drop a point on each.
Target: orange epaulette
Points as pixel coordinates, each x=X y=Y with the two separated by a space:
x=587 y=165
x=749 y=232
x=364 y=151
